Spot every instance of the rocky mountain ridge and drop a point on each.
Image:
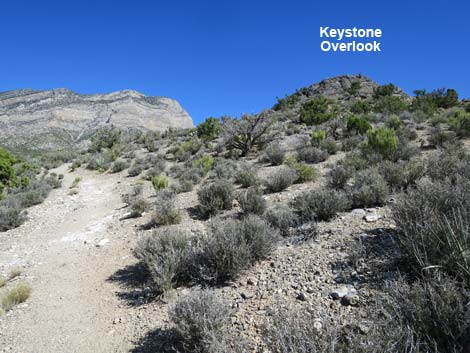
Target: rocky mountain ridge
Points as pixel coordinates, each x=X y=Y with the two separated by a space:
x=61 y=118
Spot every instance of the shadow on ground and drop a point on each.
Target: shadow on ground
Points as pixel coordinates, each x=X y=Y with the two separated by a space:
x=162 y=341
x=133 y=281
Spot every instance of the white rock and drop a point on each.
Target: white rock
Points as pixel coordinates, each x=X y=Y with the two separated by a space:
x=103 y=242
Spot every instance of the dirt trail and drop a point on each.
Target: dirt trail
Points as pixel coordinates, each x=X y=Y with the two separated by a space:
x=73 y=306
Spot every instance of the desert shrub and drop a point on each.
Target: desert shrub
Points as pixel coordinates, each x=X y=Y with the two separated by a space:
x=209 y=129
x=460 y=123
x=317 y=137
x=225 y=169
x=165 y=212
x=7 y=171
x=248 y=132
x=433 y=222
x=288 y=102
x=401 y=174
x=312 y=155
x=216 y=196
x=182 y=186
x=320 y=205
x=349 y=143
x=280 y=179
x=382 y=140
x=281 y=217
x=358 y=124
x=53 y=180
x=390 y=105
x=164 y=253
x=233 y=246
x=303 y=171
x=139 y=206
x=361 y=107
x=98 y=161
x=159 y=182
x=440 y=137
x=246 y=176
x=316 y=111
x=11 y=216
x=452 y=163
x=393 y=122
x=329 y=145
x=201 y=319
x=32 y=194
x=251 y=201
x=150 y=140
x=204 y=163
x=274 y=154
x=338 y=177
x=369 y=189
x=15 y=296
x=119 y=165
x=135 y=169
x=106 y=137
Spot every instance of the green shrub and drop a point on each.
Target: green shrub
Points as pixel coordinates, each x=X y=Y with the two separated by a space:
x=106 y=137
x=358 y=124
x=303 y=171
x=369 y=189
x=329 y=145
x=150 y=140
x=164 y=253
x=280 y=179
x=204 y=162
x=135 y=169
x=390 y=105
x=401 y=174
x=281 y=217
x=159 y=182
x=275 y=154
x=460 y=123
x=361 y=107
x=201 y=319
x=320 y=205
x=385 y=90
x=215 y=197
x=209 y=129
x=318 y=136
x=15 y=296
x=11 y=216
x=382 y=140
x=441 y=138
x=119 y=165
x=251 y=201
x=316 y=111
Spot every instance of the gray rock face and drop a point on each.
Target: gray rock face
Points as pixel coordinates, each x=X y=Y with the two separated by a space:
x=62 y=118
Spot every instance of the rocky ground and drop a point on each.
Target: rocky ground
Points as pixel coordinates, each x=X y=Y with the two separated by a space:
x=89 y=294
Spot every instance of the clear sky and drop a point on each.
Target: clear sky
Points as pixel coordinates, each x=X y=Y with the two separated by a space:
x=226 y=57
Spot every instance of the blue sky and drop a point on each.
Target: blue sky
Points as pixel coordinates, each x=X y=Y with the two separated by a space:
x=226 y=57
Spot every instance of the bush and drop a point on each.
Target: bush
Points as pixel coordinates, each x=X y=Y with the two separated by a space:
x=216 y=197
x=139 y=206
x=369 y=189
x=401 y=174
x=182 y=186
x=119 y=165
x=135 y=169
x=312 y=155
x=159 y=182
x=164 y=254
x=318 y=136
x=233 y=246
x=303 y=171
x=15 y=296
x=320 y=205
x=316 y=111
x=246 y=176
x=390 y=105
x=359 y=125
x=165 y=212
x=252 y=201
x=433 y=222
x=204 y=163
x=11 y=216
x=382 y=140
x=209 y=129
x=441 y=138
x=281 y=179
x=329 y=145
x=281 y=217
x=201 y=319
x=361 y=107
x=460 y=123
x=338 y=177
x=275 y=154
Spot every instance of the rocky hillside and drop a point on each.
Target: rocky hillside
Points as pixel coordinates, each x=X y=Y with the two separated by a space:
x=62 y=118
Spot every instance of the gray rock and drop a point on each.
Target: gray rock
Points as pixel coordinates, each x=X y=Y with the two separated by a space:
x=373 y=217
x=350 y=299
x=302 y=297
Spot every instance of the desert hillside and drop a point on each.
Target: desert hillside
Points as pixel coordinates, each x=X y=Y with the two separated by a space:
x=335 y=221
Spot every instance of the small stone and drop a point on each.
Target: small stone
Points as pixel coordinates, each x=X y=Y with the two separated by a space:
x=350 y=299
x=102 y=242
x=302 y=297
x=339 y=293
x=372 y=218
x=359 y=212
x=247 y=295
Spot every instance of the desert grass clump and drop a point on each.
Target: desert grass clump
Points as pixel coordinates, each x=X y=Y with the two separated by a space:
x=231 y=247
x=119 y=165
x=251 y=201
x=382 y=140
x=312 y=155
x=281 y=179
x=281 y=217
x=135 y=169
x=159 y=182
x=320 y=205
x=166 y=212
x=338 y=177
x=215 y=197
x=369 y=189
x=15 y=296
x=402 y=174
x=164 y=254
x=204 y=163
x=201 y=319
x=76 y=181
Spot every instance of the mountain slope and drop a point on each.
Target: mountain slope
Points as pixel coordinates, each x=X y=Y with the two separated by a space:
x=61 y=118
